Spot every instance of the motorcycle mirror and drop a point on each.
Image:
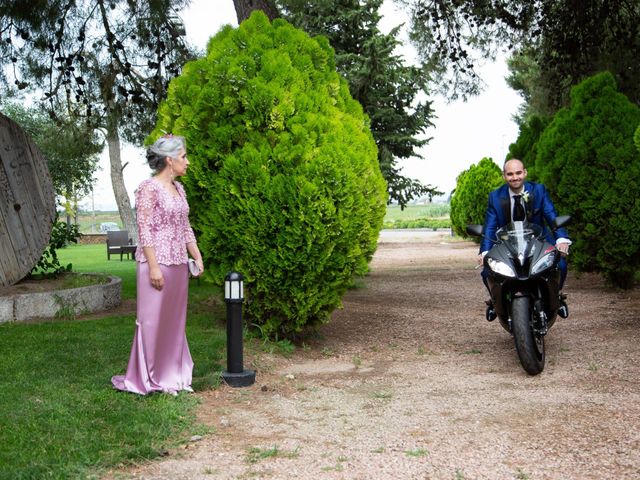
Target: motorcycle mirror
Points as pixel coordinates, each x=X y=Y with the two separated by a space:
x=475 y=230
x=561 y=221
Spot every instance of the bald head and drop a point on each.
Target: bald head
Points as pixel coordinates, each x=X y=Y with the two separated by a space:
x=513 y=163
x=514 y=174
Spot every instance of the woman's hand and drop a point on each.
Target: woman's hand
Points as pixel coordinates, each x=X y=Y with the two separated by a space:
x=200 y=265
x=194 y=251
x=155 y=275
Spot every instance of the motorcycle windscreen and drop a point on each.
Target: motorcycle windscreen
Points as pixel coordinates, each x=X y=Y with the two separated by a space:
x=518 y=235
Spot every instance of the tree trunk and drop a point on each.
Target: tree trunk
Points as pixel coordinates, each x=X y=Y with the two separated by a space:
x=245 y=7
x=119 y=190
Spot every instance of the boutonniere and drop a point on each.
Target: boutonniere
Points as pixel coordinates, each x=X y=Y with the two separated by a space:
x=525 y=196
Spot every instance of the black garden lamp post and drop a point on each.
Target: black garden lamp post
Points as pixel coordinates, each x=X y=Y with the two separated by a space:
x=235 y=375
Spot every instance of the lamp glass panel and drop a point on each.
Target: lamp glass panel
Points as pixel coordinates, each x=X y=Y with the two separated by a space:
x=235 y=290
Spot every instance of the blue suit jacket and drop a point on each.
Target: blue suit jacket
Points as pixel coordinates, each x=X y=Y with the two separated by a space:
x=539 y=208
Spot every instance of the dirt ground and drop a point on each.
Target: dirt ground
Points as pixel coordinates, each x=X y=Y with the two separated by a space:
x=409 y=381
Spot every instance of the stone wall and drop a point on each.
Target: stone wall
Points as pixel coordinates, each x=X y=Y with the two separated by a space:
x=92 y=238
x=46 y=305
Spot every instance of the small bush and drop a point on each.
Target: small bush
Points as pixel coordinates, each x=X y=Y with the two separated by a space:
x=61 y=235
x=284 y=182
x=471 y=196
x=587 y=159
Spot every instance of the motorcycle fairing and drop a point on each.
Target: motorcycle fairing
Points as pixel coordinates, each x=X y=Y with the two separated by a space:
x=520 y=246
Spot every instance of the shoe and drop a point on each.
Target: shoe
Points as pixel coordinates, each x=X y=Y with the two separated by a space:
x=563 y=310
x=491 y=312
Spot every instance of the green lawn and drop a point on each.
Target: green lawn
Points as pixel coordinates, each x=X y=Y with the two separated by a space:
x=93 y=258
x=59 y=415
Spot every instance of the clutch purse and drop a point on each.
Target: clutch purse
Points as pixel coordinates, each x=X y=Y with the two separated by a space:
x=194 y=270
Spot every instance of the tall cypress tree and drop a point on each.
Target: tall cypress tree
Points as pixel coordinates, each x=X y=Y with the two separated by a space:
x=388 y=89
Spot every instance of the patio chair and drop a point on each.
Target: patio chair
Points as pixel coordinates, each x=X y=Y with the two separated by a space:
x=118 y=242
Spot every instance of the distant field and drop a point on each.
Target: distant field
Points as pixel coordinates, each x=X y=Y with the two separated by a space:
x=88 y=225
x=413 y=212
x=434 y=215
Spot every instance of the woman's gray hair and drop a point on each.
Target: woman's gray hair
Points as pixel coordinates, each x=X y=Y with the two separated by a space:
x=165 y=146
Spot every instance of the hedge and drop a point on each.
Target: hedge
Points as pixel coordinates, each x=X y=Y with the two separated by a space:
x=587 y=159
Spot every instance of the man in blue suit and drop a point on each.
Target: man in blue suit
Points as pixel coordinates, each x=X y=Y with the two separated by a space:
x=517 y=200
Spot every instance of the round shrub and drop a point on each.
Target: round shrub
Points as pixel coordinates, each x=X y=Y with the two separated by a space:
x=284 y=183
x=587 y=159
x=471 y=196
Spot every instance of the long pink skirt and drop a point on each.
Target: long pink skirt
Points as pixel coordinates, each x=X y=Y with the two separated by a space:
x=160 y=360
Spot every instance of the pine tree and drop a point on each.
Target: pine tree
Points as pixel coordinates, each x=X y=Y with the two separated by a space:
x=107 y=63
x=245 y=7
x=389 y=90
x=557 y=43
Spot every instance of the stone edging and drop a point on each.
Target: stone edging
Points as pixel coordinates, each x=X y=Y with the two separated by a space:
x=61 y=303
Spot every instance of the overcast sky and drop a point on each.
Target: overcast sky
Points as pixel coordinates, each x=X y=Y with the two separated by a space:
x=464 y=132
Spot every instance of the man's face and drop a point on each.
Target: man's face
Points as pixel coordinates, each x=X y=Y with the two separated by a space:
x=514 y=174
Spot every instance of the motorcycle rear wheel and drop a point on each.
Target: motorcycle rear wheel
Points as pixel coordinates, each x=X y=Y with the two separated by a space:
x=529 y=346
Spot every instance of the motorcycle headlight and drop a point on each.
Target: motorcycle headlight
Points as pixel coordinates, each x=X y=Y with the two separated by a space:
x=500 y=268
x=543 y=264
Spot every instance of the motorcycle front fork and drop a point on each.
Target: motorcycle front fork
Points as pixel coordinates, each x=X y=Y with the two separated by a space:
x=540 y=325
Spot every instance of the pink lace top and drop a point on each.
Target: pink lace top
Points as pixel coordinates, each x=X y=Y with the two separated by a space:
x=163 y=222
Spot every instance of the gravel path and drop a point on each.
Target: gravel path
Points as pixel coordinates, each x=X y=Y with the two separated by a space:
x=409 y=381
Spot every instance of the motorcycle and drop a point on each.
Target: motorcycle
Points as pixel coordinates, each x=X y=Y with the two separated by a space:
x=524 y=279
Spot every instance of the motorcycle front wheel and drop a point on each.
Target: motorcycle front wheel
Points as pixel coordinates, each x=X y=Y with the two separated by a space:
x=530 y=347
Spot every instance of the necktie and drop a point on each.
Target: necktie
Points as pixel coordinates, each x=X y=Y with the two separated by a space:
x=518 y=208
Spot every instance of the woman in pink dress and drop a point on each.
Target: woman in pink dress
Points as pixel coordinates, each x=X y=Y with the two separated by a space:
x=160 y=360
